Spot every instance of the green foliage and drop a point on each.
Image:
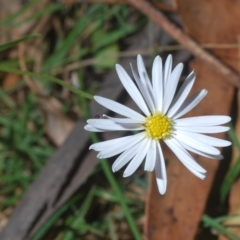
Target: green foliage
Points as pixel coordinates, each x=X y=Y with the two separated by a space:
x=64 y=46
x=14 y=17
x=15 y=42
x=23 y=147
x=51 y=221
x=46 y=77
x=217 y=224
x=107 y=57
x=92 y=39
x=234 y=171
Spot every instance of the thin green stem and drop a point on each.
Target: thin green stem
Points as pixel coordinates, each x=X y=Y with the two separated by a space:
x=208 y=221
x=111 y=179
x=47 y=77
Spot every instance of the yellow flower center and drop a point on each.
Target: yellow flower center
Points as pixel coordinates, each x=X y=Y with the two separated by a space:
x=158 y=126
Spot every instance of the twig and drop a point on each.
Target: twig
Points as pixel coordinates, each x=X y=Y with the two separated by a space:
x=157 y=17
x=144 y=52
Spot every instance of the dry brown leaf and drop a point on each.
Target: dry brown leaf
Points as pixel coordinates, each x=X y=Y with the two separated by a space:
x=57 y=125
x=176 y=215
x=10 y=80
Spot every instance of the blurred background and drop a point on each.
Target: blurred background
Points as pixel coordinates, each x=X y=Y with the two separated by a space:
x=55 y=55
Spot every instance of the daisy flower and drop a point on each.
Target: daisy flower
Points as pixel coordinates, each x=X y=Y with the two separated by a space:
x=159 y=121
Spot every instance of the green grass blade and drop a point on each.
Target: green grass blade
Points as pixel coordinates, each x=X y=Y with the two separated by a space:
x=68 y=42
x=48 y=224
x=19 y=13
x=229 y=179
x=7 y=99
x=41 y=13
x=233 y=137
x=87 y=203
x=79 y=218
x=46 y=77
x=15 y=63
x=112 y=37
x=224 y=218
x=210 y=222
x=234 y=171
x=15 y=42
x=112 y=230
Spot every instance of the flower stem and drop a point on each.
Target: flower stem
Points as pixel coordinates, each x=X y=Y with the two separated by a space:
x=111 y=179
x=109 y=175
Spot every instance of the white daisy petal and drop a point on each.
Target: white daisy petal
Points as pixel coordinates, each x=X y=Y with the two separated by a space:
x=167 y=70
x=185 y=158
x=132 y=89
x=198 y=174
x=218 y=157
x=157 y=81
x=125 y=120
x=93 y=129
x=143 y=75
x=171 y=86
x=208 y=129
x=160 y=123
x=182 y=94
x=190 y=103
x=125 y=157
x=119 y=108
x=151 y=156
x=107 y=124
x=141 y=69
x=106 y=144
x=138 y=158
x=212 y=141
x=121 y=146
x=160 y=171
x=144 y=90
x=202 y=121
x=194 y=143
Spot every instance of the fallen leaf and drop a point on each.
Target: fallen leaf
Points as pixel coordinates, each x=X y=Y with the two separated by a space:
x=10 y=80
x=57 y=125
x=177 y=214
